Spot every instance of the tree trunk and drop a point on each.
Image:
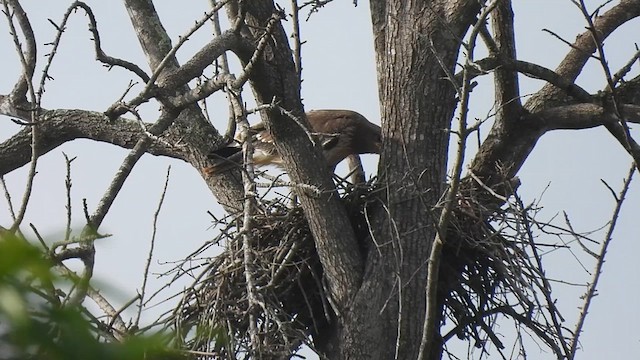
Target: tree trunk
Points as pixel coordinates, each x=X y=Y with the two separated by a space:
x=412 y=39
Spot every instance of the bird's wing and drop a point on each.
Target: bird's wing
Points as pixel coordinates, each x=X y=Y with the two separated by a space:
x=229 y=156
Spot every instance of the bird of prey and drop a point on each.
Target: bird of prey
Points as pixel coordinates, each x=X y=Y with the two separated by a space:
x=340 y=132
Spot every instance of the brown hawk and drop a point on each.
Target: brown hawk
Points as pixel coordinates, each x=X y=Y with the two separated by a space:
x=341 y=133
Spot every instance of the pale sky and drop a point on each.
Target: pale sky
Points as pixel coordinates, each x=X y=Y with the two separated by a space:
x=339 y=72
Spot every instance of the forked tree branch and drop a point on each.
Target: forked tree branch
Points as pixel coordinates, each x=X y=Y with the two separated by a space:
x=533 y=71
x=620 y=130
x=581 y=51
x=207 y=55
x=508 y=145
x=156 y=44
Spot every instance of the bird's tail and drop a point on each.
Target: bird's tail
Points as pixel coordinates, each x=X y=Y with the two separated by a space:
x=223 y=159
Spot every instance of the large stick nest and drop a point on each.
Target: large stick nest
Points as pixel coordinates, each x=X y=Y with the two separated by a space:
x=489 y=266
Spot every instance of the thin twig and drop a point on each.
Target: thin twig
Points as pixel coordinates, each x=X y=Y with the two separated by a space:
x=154 y=231
x=545 y=287
x=592 y=288
x=67 y=185
x=620 y=74
x=297 y=43
x=7 y=196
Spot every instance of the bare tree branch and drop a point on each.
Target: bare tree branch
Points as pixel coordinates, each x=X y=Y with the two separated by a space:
x=153 y=38
x=509 y=143
x=147 y=265
x=579 y=116
x=100 y=54
x=166 y=119
x=507 y=91
x=573 y=63
x=60 y=126
x=620 y=130
x=19 y=92
x=67 y=185
x=156 y=44
x=206 y=56
x=534 y=71
x=249 y=209
x=620 y=74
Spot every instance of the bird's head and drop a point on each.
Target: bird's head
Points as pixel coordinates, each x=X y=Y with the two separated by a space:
x=367 y=136
x=374 y=145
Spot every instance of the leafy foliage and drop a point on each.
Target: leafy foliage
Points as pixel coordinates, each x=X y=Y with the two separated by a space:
x=36 y=323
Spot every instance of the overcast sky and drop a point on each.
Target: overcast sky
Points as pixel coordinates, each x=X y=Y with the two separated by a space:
x=339 y=72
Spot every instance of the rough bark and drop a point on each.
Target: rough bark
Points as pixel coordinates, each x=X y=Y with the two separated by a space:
x=411 y=40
